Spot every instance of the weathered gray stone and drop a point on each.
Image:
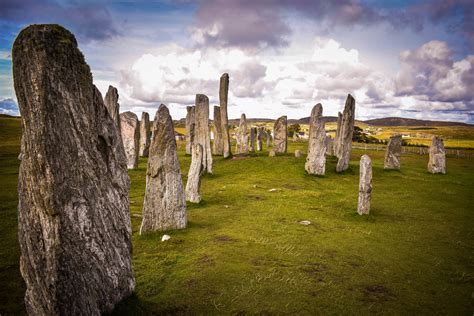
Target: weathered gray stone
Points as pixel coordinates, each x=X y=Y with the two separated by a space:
x=130 y=131
x=329 y=145
x=297 y=153
x=260 y=136
x=365 y=185
x=393 y=153
x=164 y=206
x=217 y=145
x=242 y=136
x=223 y=94
x=202 y=134
x=73 y=217
x=145 y=134
x=112 y=105
x=193 y=184
x=253 y=138
x=338 y=135
x=280 y=135
x=271 y=153
x=437 y=162
x=269 y=139
x=190 y=128
x=316 y=159
x=344 y=146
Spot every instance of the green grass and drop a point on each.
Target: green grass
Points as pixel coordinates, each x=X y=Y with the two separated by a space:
x=245 y=253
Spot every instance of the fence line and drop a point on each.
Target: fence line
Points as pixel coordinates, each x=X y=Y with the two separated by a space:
x=460 y=153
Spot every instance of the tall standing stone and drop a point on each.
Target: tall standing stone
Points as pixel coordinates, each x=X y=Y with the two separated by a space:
x=242 y=136
x=316 y=159
x=260 y=135
x=73 y=216
x=280 y=135
x=130 y=131
x=269 y=139
x=437 y=162
x=393 y=153
x=345 y=136
x=338 y=134
x=190 y=128
x=145 y=135
x=194 y=176
x=202 y=134
x=365 y=185
x=217 y=146
x=329 y=145
x=112 y=105
x=164 y=206
x=253 y=138
x=223 y=94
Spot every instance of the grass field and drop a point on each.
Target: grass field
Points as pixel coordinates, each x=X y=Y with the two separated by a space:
x=244 y=251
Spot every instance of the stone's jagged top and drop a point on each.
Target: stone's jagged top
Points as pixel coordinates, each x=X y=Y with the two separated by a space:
x=225 y=76
x=73 y=182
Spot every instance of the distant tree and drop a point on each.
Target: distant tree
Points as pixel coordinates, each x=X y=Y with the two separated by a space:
x=360 y=137
x=293 y=128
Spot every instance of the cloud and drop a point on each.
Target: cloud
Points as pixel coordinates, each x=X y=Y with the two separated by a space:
x=9 y=106
x=260 y=24
x=430 y=73
x=88 y=20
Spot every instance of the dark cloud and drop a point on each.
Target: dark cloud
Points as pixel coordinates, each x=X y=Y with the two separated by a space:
x=8 y=106
x=430 y=73
x=90 y=21
x=263 y=23
x=248 y=82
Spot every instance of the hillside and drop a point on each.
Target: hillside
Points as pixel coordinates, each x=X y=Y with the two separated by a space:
x=400 y=121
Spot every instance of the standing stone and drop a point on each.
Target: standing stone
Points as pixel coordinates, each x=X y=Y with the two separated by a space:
x=393 y=153
x=242 y=138
x=113 y=107
x=297 y=153
x=130 y=128
x=194 y=175
x=260 y=135
x=269 y=139
x=329 y=145
x=73 y=216
x=437 y=162
x=365 y=185
x=164 y=206
x=316 y=159
x=338 y=134
x=190 y=128
x=223 y=93
x=218 y=147
x=202 y=134
x=345 y=136
x=253 y=138
x=280 y=135
x=145 y=135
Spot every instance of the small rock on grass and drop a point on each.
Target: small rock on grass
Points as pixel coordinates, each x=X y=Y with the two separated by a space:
x=165 y=237
x=305 y=222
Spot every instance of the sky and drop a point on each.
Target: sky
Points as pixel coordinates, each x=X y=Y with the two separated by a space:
x=411 y=59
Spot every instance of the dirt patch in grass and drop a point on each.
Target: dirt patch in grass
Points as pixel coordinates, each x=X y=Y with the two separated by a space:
x=376 y=293
x=224 y=238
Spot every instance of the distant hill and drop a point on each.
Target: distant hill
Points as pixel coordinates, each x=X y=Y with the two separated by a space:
x=400 y=121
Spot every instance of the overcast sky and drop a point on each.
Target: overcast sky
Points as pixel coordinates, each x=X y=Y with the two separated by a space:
x=397 y=58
